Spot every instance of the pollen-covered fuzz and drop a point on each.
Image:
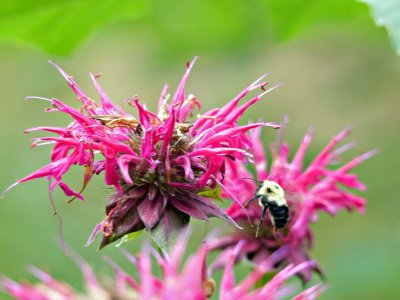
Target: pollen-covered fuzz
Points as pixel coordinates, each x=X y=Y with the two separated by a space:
x=186 y=281
x=318 y=187
x=161 y=164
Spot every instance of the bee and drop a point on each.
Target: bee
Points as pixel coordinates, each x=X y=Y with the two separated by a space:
x=271 y=197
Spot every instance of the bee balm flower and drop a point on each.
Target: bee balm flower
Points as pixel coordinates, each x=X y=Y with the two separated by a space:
x=187 y=282
x=308 y=190
x=161 y=164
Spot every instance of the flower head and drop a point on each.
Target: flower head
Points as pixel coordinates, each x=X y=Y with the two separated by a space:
x=187 y=282
x=308 y=190
x=160 y=164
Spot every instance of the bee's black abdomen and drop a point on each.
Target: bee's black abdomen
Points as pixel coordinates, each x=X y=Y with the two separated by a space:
x=274 y=207
x=280 y=223
x=280 y=214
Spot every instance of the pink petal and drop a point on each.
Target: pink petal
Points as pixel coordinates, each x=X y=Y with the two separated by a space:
x=69 y=192
x=179 y=96
x=124 y=162
x=107 y=105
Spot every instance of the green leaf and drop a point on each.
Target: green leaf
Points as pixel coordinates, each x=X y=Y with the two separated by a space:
x=169 y=229
x=234 y=26
x=290 y=18
x=214 y=193
x=59 y=26
x=265 y=279
x=198 y=26
x=386 y=13
x=128 y=237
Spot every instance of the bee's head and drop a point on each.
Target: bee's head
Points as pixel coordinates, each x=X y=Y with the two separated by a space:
x=272 y=189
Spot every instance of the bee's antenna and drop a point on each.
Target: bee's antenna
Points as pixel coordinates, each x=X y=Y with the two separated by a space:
x=258 y=181
x=249 y=201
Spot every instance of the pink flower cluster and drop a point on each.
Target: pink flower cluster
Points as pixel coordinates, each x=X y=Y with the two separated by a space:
x=189 y=281
x=158 y=163
x=309 y=190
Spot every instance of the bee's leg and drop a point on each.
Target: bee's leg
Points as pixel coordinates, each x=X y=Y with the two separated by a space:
x=274 y=233
x=251 y=200
x=264 y=211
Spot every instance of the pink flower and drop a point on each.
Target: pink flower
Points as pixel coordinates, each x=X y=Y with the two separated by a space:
x=160 y=164
x=309 y=190
x=189 y=281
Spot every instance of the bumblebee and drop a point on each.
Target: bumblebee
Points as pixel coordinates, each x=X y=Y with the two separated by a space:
x=271 y=197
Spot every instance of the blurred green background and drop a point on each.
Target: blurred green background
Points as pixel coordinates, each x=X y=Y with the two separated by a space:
x=338 y=69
